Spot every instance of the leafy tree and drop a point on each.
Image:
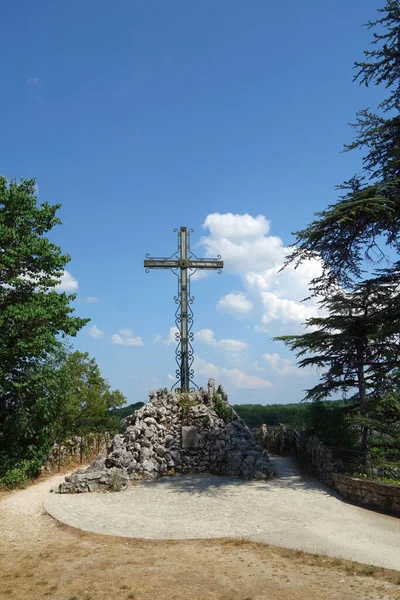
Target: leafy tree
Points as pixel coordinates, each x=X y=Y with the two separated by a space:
x=353 y=345
x=33 y=318
x=352 y=229
x=88 y=404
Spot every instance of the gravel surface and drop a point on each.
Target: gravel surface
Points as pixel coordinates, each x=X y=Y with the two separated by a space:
x=290 y=511
x=21 y=511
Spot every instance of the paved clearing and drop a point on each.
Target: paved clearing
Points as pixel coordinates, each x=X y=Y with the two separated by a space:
x=41 y=558
x=290 y=511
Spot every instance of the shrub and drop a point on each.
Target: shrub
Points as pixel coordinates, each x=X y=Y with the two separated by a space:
x=115 y=482
x=221 y=408
x=18 y=475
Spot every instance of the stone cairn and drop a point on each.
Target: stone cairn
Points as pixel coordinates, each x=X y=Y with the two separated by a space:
x=175 y=433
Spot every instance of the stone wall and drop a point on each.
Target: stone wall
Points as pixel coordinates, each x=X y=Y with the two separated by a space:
x=373 y=494
x=176 y=433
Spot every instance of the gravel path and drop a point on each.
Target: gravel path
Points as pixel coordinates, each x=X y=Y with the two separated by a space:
x=290 y=511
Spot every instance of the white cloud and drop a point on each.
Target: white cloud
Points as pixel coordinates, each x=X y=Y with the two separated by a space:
x=126 y=332
x=285 y=310
x=200 y=274
x=207 y=336
x=284 y=366
x=125 y=337
x=235 y=303
x=169 y=339
x=95 y=332
x=91 y=299
x=32 y=81
x=237 y=228
x=171 y=377
x=68 y=283
x=248 y=250
x=230 y=377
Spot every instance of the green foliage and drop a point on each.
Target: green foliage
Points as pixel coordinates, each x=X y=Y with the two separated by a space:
x=14 y=478
x=115 y=483
x=352 y=344
x=255 y=415
x=18 y=475
x=32 y=314
x=355 y=346
x=331 y=423
x=126 y=411
x=388 y=480
x=223 y=410
x=357 y=343
x=349 y=231
x=34 y=318
x=205 y=421
x=88 y=404
x=186 y=402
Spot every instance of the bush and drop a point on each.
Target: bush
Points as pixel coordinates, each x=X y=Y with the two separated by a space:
x=221 y=408
x=15 y=478
x=19 y=475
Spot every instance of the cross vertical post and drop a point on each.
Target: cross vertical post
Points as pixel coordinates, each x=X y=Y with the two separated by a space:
x=184 y=374
x=184 y=264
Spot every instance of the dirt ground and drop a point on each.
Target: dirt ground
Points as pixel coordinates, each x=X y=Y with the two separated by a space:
x=40 y=558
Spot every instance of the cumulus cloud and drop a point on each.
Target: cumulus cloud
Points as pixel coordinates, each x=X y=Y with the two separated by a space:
x=68 y=283
x=248 y=250
x=169 y=339
x=91 y=299
x=230 y=377
x=95 y=332
x=284 y=366
x=285 y=310
x=125 y=337
x=207 y=336
x=236 y=304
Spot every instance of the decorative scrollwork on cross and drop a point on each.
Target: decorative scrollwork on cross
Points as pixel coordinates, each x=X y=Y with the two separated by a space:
x=184 y=263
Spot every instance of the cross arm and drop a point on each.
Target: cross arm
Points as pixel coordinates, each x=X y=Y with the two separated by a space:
x=205 y=263
x=161 y=263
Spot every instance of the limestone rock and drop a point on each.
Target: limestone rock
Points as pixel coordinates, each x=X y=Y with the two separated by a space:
x=175 y=433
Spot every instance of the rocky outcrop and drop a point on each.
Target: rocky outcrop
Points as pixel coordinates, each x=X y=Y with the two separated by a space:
x=176 y=433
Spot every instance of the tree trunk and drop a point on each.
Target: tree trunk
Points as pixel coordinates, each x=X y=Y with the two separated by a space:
x=362 y=393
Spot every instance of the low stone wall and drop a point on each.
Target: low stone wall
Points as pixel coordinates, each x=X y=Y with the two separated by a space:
x=374 y=494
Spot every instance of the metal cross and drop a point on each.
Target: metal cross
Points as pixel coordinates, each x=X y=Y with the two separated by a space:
x=184 y=264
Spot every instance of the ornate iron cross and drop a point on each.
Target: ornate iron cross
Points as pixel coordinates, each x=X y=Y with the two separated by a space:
x=184 y=264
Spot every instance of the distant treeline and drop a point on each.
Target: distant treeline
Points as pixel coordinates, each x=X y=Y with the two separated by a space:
x=300 y=415
x=125 y=411
x=255 y=415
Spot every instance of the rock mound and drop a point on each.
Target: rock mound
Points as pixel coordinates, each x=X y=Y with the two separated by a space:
x=176 y=433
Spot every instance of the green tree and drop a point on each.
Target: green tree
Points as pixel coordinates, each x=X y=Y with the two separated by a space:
x=34 y=318
x=354 y=347
x=367 y=216
x=88 y=403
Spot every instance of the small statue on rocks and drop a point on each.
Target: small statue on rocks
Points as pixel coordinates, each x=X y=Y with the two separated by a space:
x=222 y=393
x=211 y=389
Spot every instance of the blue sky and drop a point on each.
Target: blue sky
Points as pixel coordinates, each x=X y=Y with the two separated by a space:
x=225 y=116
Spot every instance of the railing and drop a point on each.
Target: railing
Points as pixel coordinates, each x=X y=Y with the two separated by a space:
x=315 y=457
